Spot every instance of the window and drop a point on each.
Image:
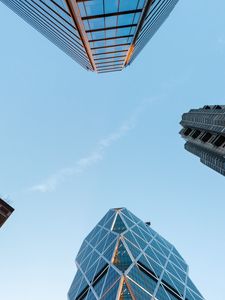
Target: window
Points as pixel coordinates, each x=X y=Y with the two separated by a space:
x=187 y=131
x=195 y=134
x=206 y=136
x=219 y=141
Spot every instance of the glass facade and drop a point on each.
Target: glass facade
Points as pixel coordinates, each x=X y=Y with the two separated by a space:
x=5 y=211
x=123 y=258
x=101 y=35
x=204 y=132
x=53 y=19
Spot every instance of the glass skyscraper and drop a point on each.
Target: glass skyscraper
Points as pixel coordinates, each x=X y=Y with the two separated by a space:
x=204 y=132
x=124 y=258
x=5 y=211
x=101 y=35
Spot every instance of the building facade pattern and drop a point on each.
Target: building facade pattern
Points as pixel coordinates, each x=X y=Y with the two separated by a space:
x=101 y=35
x=124 y=258
x=204 y=132
x=5 y=211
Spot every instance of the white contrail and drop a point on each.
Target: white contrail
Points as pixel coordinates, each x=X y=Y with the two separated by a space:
x=95 y=156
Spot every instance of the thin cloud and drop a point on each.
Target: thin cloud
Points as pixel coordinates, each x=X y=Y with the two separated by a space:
x=84 y=163
x=221 y=44
x=221 y=41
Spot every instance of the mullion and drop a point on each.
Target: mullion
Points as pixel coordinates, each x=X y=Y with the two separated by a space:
x=153 y=14
x=111 y=38
x=60 y=7
x=110 y=46
x=96 y=54
x=110 y=71
x=135 y=14
x=105 y=33
x=109 y=62
x=32 y=14
x=53 y=24
x=117 y=17
x=149 y=25
x=102 y=70
x=110 y=67
x=113 y=65
x=106 y=70
x=85 y=9
x=126 y=12
x=111 y=28
x=48 y=33
x=110 y=57
x=53 y=11
x=44 y=18
x=45 y=11
x=152 y=20
x=112 y=62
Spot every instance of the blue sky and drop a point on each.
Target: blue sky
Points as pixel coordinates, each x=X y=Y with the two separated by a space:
x=74 y=144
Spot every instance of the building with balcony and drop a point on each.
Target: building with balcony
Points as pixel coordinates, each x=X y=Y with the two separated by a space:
x=204 y=133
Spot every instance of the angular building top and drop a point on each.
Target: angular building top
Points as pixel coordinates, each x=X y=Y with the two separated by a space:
x=101 y=35
x=204 y=132
x=5 y=211
x=124 y=258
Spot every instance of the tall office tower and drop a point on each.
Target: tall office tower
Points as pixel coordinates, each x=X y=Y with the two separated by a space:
x=101 y=35
x=204 y=132
x=123 y=258
x=5 y=211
